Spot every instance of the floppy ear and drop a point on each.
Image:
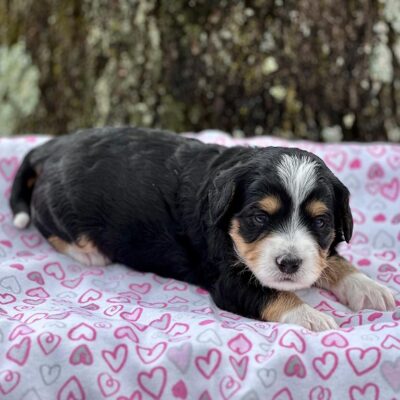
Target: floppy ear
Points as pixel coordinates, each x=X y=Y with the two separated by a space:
x=223 y=192
x=220 y=198
x=343 y=216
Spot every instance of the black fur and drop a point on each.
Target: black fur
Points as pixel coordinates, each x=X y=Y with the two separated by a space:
x=163 y=203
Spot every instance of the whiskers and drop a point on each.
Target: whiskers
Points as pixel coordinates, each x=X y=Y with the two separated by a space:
x=243 y=268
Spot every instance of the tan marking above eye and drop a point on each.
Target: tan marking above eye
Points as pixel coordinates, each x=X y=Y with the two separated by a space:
x=316 y=208
x=271 y=204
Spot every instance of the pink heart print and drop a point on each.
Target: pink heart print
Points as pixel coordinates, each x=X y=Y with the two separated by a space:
x=48 y=342
x=81 y=355
x=320 y=393
x=369 y=391
x=336 y=160
x=126 y=332
x=151 y=354
x=390 y=190
x=72 y=332
x=180 y=356
x=295 y=367
x=82 y=331
x=116 y=358
x=179 y=390
x=9 y=380
x=326 y=365
x=292 y=340
x=363 y=360
x=19 y=352
x=55 y=270
x=335 y=339
x=283 y=394
x=208 y=364
x=72 y=389
x=228 y=387
x=153 y=382
x=162 y=323
x=31 y=240
x=376 y=171
x=36 y=277
x=133 y=315
x=240 y=344
x=20 y=330
x=107 y=384
x=240 y=366
x=142 y=288
x=8 y=168
x=391 y=342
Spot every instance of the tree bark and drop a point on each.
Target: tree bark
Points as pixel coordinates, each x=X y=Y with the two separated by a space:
x=295 y=68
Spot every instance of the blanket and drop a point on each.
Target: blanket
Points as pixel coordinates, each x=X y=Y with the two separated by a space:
x=74 y=332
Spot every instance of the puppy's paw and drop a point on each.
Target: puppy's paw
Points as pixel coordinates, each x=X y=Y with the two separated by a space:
x=359 y=292
x=310 y=318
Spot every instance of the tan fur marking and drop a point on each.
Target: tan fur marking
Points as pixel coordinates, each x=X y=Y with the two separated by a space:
x=248 y=252
x=322 y=264
x=316 y=208
x=337 y=268
x=59 y=244
x=30 y=182
x=286 y=301
x=270 y=204
x=83 y=251
x=85 y=245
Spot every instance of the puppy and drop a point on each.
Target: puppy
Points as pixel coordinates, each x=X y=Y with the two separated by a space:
x=250 y=225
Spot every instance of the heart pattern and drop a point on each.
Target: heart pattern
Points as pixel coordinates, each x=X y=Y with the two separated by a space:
x=139 y=336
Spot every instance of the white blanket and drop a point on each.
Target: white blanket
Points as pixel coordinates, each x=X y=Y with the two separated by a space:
x=69 y=332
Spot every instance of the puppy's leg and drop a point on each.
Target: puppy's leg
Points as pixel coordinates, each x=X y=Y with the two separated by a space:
x=240 y=293
x=353 y=288
x=288 y=308
x=84 y=251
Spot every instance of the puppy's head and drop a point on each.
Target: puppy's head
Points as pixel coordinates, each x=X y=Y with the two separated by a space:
x=284 y=211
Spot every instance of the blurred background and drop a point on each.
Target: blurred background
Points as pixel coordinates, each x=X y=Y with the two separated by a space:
x=324 y=70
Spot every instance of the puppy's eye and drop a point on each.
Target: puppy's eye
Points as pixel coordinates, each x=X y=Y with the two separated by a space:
x=260 y=219
x=319 y=223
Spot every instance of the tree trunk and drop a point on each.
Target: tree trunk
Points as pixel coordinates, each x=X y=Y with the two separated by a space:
x=320 y=70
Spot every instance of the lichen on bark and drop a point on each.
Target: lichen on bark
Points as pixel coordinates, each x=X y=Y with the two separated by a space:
x=321 y=70
x=19 y=90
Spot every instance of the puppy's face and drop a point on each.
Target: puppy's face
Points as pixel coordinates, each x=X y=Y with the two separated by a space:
x=291 y=211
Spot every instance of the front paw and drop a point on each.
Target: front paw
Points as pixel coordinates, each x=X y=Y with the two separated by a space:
x=359 y=292
x=310 y=318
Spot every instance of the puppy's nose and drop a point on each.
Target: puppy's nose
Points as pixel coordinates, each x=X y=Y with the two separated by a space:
x=288 y=264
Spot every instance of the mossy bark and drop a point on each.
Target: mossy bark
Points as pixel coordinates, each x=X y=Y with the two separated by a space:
x=294 y=67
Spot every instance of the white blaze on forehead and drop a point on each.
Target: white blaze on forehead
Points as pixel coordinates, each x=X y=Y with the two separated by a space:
x=298 y=176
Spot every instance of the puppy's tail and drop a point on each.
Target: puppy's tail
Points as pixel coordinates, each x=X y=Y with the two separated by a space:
x=21 y=193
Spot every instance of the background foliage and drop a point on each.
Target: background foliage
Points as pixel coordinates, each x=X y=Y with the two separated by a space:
x=321 y=69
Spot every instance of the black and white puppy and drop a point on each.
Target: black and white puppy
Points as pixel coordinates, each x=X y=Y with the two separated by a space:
x=251 y=225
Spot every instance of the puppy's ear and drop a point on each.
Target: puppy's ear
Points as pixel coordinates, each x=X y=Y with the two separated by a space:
x=223 y=193
x=343 y=216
